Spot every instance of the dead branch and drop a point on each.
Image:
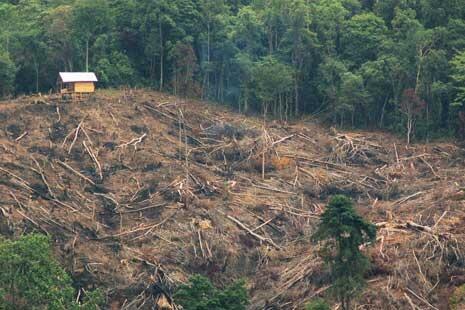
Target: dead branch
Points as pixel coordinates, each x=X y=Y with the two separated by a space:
x=21 y=181
x=422 y=299
x=430 y=167
x=273 y=189
x=21 y=136
x=134 y=142
x=402 y=200
x=263 y=239
x=59 y=115
x=75 y=136
x=94 y=158
x=409 y=300
x=65 y=165
x=44 y=180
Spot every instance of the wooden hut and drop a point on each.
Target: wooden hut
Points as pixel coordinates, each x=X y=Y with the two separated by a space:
x=76 y=84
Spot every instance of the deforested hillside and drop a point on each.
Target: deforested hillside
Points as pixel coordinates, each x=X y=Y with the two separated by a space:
x=139 y=190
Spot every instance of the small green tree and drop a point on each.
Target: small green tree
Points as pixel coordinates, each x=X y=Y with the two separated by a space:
x=342 y=232
x=200 y=294
x=30 y=278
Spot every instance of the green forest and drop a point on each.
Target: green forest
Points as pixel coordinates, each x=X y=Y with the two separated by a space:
x=396 y=65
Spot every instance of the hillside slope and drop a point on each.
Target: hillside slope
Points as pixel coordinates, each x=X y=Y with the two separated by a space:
x=141 y=190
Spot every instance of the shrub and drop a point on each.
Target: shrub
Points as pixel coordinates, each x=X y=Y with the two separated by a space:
x=200 y=294
x=317 y=304
x=31 y=278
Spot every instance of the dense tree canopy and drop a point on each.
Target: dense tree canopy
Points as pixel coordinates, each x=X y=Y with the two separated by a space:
x=350 y=61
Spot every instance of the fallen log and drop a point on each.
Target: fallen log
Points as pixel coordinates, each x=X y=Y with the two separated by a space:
x=243 y=226
x=65 y=165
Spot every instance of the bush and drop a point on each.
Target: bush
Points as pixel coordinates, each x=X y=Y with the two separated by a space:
x=30 y=278
x=318 y=304
x=200 y=294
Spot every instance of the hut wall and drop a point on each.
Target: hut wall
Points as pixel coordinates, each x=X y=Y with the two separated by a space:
x=84 y=87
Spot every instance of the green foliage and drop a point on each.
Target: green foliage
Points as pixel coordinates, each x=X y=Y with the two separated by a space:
x=200 y=294
x=30 y=278
x=7 y=74
x=342 y=232
x=272 y=78
x=458 y=76
x=318 y=304
x=364 y=35
x=115 y=70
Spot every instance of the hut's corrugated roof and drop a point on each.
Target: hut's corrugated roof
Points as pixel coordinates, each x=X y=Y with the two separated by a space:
x=72 y=77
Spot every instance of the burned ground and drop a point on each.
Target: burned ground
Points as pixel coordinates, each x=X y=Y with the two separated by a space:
x=137 y=187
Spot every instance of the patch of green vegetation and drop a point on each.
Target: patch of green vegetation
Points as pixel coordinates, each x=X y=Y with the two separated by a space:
x=200 y=294
x=317 y=304
x=31 y=278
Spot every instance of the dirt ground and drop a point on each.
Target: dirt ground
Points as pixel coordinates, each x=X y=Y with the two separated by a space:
x=140 y=190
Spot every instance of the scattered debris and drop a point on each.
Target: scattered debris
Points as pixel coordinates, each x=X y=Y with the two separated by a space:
x=140 y=190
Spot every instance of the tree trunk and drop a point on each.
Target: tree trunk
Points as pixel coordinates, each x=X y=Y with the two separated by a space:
x=296 y=94
x=36 y=69
x=353 y=118
x=409 y=129
x=70 y=65
x=208 y=59
x=175 y=86
x=270 y=40
x=36 y=65
x=162 y=56
x=87 y=55
x=286 y=109
x=381 y=120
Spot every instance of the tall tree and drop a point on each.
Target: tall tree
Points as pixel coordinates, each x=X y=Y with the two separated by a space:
x=91 y=18
x=363 y=37
x=342 y=232
x=458 y=77
x=299 y=39
x=158 y=21
x=273 y=82
x=7 y=74
x=59 y=38
x=411 y=106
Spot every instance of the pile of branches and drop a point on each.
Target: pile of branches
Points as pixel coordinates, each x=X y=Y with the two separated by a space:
x=351 y=149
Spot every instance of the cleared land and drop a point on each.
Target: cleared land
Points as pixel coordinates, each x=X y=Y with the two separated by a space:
x=140 y=190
